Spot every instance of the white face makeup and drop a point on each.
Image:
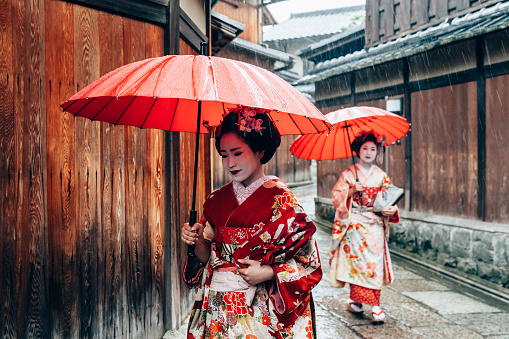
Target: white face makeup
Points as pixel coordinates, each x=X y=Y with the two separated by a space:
x=367 y=153
x=239 y=160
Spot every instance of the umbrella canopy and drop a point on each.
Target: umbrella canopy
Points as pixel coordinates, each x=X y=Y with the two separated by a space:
x=165 y=92
x=348 y=123
x=190 y=93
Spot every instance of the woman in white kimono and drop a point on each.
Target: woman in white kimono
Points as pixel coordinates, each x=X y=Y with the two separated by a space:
x=359 y=254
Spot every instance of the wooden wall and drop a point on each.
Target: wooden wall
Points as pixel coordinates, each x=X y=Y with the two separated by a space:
x=83 y=206
x=243 y=13
x=388 y=19
x=444 y=151
x=497 y=152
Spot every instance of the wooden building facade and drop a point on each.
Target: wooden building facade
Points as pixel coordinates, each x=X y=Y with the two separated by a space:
x=451 y=69
x=451 y=95
x=90 y=212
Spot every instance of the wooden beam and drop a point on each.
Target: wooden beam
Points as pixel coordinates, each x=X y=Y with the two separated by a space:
x=172 y=29
x=153 y=11
x=407 y=111
x=352 y=89
x=481 y=129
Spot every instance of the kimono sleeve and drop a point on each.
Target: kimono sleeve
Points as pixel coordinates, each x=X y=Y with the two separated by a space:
x=385 y=184
x=287 y=244
x=340 y=198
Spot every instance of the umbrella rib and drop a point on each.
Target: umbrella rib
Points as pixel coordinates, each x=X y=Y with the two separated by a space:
x=121 y=115
x=150 y=110
x=316 y=128
x=82 y=108
x=173 y=115
x=72 y=103
x=102 y=109
x=296 y=124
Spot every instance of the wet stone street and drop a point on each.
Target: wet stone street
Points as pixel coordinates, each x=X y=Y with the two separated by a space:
x=419 y=304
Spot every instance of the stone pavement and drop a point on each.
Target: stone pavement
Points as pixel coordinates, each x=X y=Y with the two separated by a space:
x=419 y=304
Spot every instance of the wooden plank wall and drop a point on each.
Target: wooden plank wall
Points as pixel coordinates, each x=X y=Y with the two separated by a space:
x=387 y=19
x=444 y=151
x=83 y=205
x=497 y=154
x=243 y=13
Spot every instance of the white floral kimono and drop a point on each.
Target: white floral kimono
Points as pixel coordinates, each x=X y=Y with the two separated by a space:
x=359 y=253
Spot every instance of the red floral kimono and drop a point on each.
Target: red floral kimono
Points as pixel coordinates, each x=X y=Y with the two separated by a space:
x=269 y=226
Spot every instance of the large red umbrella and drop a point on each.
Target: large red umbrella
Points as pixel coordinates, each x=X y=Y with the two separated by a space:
x=190 y=93
x=165 y=92
x=348 y=123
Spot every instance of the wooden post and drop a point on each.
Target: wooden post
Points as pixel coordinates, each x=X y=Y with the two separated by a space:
x=481 y=129
x=172 y=311
x=352 y=89
x=407 y=111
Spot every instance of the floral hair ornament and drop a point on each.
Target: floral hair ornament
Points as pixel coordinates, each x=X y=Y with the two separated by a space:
x=247 y=122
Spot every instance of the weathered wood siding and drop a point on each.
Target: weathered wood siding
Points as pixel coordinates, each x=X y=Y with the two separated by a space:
x=497 y=153
x=83 y=204
x=243 y=13
x=388 y=19
x=444 y=151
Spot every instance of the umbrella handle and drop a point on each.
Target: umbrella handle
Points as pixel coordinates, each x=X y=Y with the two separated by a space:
x=360 y=192
x=192 y=221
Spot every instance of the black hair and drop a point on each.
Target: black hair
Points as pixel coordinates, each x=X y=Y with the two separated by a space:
x=361 y=140
x=268 y=141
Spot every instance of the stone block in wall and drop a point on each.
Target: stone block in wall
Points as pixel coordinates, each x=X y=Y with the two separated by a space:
x=461 y=243
x=501 y=250
x=467 y=266
x=442 y=239
x=410 y=237
x=489 y=272
x=397 y=233
x=424 y=238
x=324 y=209
x=482 y=247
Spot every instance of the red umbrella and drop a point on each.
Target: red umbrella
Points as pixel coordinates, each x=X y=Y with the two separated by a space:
x=190 y=93
x=348 y=123
x=165 y=92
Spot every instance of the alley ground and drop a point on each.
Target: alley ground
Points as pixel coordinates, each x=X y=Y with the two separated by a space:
x=419 y=304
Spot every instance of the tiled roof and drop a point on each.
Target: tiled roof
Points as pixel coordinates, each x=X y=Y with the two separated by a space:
x=470 y=25
x=263 y=50
x=316 y=24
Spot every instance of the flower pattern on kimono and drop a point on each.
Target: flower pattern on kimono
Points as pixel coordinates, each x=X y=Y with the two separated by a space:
x=265 y=237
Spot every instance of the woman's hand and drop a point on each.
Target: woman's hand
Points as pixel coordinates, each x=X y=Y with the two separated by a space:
x=191 y=235
x=357 y=187
x=255 y=273
x=389 y=211
x=195 y=236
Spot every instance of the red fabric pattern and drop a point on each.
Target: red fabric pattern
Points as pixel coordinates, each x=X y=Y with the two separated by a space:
x=365 y=295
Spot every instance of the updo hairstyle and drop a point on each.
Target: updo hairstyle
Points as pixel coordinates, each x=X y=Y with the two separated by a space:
x=268 y=140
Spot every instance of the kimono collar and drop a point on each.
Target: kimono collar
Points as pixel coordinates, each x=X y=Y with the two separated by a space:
x=364 y=171
x=242 y=193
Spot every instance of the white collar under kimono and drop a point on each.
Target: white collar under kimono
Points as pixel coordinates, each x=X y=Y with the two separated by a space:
x=366 y=172
x=242 y=193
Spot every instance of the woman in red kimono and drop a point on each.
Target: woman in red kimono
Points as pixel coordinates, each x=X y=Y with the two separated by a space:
x=255 y=241
x=360 y=255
